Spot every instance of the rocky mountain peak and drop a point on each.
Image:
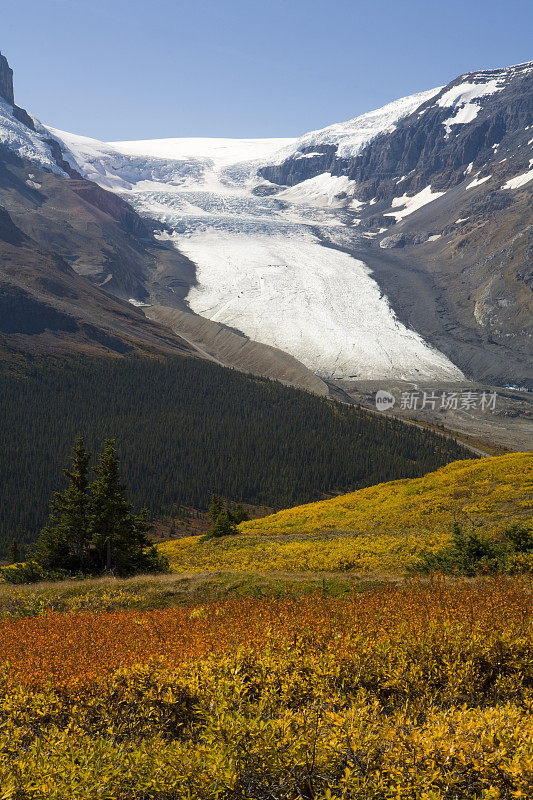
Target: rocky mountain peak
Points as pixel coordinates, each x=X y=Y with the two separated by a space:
x=6 y=81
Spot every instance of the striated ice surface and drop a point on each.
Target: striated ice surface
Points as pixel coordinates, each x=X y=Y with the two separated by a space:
x=261 y=265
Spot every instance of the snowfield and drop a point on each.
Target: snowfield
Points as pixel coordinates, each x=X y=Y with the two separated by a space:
x=461 y=97
x=322 y=190
x=222 y=152
x=408 y=205
x=350 y=137
x=261 y=267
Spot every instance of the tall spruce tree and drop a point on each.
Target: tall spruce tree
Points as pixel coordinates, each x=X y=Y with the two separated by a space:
x=14 y=552
x=216 y=506
x=119 y=538
x=63 y=543
x=110 y=512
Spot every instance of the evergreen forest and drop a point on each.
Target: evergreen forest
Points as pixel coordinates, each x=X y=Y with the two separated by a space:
x=186 y=429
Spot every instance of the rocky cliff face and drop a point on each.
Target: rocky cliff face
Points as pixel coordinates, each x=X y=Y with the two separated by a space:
x=463 y=127
x=442 y=204
x=6 y=81
x=438 y=143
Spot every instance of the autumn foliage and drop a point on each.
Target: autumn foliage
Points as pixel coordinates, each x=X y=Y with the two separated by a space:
x=487 y=490
x=384 y=528
x=423 y=691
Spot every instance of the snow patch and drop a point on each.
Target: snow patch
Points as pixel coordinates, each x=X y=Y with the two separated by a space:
x=461 y=97
x=322 y=190
x=307 y=155
x=466 y=92
x=465 y=114
x=138 y=303
x=478 y=181
x=408 y=205
x=519 y=180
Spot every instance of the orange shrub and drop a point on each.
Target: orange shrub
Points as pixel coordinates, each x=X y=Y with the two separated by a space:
x=60 y=649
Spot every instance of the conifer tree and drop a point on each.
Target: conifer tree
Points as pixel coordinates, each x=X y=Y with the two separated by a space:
x=120 y=539
x=215 y=508
x=62 y=544
x=111 y=521
x=238 y=515
x=223 y=526
x=14 y=552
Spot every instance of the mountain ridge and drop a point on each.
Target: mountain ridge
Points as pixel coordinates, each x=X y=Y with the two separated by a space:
x=238 y=221
x=319 y=248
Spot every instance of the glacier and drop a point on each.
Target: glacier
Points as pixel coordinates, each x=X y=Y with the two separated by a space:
x=262 y=265
x=25 y=142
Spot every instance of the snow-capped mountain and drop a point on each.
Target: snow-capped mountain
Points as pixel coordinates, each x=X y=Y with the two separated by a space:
x=262 y=266
x=394 y=245
x=447 y=195
x=442 y=130
x=347 y=139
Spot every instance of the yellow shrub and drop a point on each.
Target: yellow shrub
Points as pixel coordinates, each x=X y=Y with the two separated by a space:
x=423 y=692
x=382 y=528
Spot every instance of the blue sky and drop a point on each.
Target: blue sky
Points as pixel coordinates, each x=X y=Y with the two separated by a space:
x=132 y=69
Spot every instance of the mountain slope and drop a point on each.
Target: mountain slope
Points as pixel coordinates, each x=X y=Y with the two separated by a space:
x=261 y=267
x=380 y=528
x=488 y=490
x=52 y=223
x=46 y=307
x=446 y=193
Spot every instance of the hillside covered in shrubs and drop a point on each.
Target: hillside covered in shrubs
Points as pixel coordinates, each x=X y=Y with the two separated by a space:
x=389 y=527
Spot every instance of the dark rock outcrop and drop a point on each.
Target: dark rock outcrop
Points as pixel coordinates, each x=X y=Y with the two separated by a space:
x=6 y=81
x=419 y=149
